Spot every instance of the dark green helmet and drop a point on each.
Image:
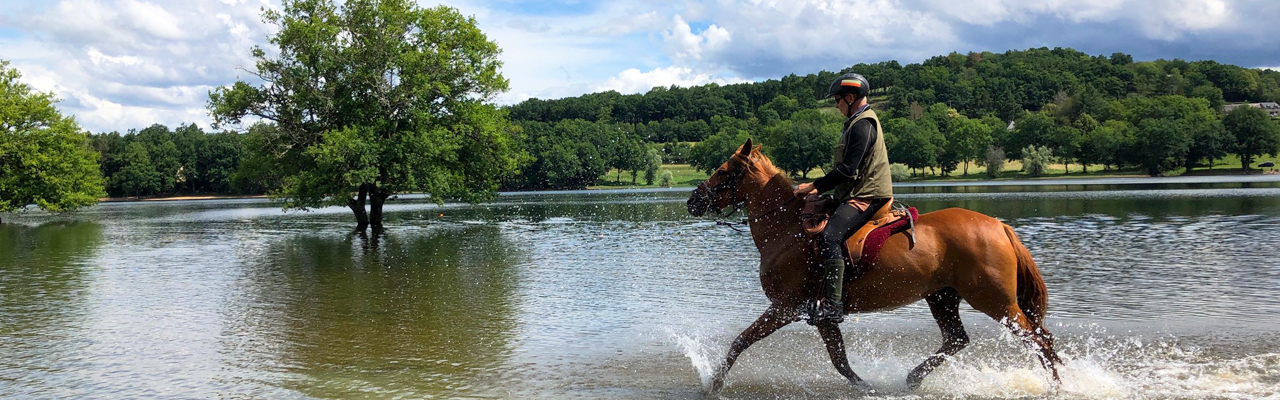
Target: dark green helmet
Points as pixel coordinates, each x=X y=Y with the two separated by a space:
x=850 y=83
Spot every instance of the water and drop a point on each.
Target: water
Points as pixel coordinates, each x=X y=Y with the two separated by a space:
x=1155 y=292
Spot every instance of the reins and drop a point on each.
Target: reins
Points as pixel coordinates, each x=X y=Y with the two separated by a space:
x=737 y=206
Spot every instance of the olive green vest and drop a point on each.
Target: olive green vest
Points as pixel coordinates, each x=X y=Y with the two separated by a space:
x=872 y=180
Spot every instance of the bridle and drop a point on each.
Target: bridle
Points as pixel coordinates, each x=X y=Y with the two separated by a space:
x=731 y=183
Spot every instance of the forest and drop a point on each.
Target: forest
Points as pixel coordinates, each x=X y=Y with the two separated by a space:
x=941 y=115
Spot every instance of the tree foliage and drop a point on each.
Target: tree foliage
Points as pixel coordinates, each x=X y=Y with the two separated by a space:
x=707 y=155
x=159 y=161
x=372 y=98
x=803 y=142
x=1254 y=133
x=44 y=157
x=1035 y=159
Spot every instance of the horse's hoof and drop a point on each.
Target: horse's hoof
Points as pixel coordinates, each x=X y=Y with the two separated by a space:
x=914 y=380
x=717 y=383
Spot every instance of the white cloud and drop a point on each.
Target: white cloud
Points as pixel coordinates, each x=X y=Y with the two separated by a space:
x=683 y=44
x=650 y=21
x=121 y=64
x=634 y=81
x=98 y=58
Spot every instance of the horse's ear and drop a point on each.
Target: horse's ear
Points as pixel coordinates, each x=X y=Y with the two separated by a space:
x=746 y=148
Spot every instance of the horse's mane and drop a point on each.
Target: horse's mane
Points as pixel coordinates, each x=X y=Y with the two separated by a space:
x=762 y=165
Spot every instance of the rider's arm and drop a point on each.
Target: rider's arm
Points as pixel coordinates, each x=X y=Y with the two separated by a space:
x=859 y=141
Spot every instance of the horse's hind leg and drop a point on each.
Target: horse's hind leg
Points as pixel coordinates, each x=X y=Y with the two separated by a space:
x=945 y=306
x=1031 y=333
x=768 y=323
x=834 y=342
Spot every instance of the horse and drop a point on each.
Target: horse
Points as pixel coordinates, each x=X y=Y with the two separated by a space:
x=959 y=255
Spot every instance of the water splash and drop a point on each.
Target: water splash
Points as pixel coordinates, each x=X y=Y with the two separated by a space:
x=700 y=352
x=1098 y=365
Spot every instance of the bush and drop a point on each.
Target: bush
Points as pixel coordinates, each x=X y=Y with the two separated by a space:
x=899 y=172
x=665 y=180
x=994 y=161
x=1035 y=160
x=676 y=152
x=651 y=166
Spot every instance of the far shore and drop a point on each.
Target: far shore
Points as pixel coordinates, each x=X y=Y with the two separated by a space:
x=179 y=198
x=1042 y=181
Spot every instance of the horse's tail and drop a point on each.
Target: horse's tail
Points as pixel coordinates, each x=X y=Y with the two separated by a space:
x=1033 y=297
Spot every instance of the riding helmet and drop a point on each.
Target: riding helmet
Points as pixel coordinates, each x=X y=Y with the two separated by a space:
x=850 y=83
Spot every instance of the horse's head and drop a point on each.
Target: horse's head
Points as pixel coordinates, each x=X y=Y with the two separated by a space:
x=724 y=187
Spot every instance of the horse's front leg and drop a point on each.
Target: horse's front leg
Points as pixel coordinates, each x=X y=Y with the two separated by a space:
x=834 y=341
x=768 y=323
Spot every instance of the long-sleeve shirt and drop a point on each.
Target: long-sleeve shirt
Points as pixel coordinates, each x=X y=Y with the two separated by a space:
x=859 y=139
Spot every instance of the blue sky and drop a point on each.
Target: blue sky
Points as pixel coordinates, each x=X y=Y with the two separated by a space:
x=125 y=64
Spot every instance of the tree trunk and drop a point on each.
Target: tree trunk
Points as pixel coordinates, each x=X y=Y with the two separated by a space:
x=633 y=177
x=1084 y=168
x=377 y=197
x=357 y=207
x=966 y=167
x=619 y=180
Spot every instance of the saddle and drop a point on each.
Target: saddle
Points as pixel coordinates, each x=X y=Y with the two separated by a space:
x=863 y=247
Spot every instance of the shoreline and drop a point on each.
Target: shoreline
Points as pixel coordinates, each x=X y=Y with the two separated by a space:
x=179 y=198
x=1043 y=181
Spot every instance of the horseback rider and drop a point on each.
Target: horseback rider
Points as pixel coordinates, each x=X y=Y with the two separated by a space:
x=859 y=179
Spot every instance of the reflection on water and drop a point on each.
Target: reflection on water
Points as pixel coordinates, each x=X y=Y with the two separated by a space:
x=1164 y=292
x=349 y=315
x=43 y=284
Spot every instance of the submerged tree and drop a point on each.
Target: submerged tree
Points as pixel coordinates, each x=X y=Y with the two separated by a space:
x=45 y=158
x=373 y=98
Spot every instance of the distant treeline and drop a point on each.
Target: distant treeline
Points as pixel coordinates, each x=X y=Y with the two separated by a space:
x=1100 y=110
x=160 y=161
x=1105 y=111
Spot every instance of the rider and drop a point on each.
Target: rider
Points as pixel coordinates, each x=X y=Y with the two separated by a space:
x=859 y=179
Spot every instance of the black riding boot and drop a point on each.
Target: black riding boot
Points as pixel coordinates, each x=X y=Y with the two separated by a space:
x=831 y=308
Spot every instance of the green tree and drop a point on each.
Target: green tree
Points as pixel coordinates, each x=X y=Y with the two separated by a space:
x=569 y=154
x=1161 y=145
x=968 y=139
x=651 y=167
x=138 y=176
x=45 y=158
x=994 y=161
x=373 y=98
x=1035 y=159
x=777 y=110
x=916 y=143
x=804 y=142
x=1255 y=133
x=1033 y=129
x=1108 y=144
x=708 y=154
x=1209 y=140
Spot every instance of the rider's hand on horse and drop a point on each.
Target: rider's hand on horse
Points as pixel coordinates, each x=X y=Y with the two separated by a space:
x=804 y=189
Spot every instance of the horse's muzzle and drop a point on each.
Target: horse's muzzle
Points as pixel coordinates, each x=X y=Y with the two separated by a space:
x=699 y=202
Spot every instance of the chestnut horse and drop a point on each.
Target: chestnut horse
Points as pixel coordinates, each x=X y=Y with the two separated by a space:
x=960 y=255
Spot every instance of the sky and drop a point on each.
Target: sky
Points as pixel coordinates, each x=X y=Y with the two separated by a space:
x=118 y=65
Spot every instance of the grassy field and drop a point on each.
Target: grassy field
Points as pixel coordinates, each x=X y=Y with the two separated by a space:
x=681 y=175
x=684 y=175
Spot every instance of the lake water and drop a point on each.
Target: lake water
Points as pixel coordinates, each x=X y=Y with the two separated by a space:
x=1156 y=291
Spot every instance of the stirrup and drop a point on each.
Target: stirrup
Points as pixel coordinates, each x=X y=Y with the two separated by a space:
x=820 y=313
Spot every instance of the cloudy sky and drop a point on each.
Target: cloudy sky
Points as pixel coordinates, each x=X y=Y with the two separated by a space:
x=125 y=64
